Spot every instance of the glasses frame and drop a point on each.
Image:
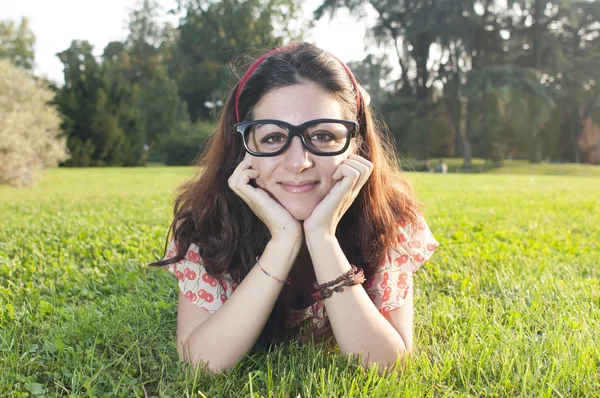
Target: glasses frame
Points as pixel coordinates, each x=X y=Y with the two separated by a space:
x=293 y=132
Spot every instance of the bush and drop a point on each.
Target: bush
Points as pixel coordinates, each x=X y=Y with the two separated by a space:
x=182 y=147
x=30 y=138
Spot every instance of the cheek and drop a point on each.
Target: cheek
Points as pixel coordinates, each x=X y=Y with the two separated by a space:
x=265 y=169
x=332 y=164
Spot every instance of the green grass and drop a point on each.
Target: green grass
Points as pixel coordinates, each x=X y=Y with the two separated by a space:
x=508 y=167
x=508 y=306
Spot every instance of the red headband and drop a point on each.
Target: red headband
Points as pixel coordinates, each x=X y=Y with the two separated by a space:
x=261 y=59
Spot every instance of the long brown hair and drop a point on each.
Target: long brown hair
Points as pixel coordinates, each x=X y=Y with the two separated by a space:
x=230 y=236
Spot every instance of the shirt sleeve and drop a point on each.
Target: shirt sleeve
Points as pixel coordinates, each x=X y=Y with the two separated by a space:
x=195 y=283
x=392 y=279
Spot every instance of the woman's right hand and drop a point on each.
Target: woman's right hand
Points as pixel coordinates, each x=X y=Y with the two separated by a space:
x=281 y=224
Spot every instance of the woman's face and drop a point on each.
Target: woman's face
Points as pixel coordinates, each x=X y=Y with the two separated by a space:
x=296 y=178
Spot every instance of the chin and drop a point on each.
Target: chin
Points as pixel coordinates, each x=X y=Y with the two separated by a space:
x=300 y=213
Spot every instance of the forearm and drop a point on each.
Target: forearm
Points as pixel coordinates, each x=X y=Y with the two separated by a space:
x=231 y=332
x=357 y=324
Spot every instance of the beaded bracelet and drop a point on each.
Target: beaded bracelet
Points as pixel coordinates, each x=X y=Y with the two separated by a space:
x=274 y=277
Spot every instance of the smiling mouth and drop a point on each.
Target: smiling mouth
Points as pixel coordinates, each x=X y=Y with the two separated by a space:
x=299 y=187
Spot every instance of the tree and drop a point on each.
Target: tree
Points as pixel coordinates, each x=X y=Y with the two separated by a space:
x=576 y=79
x=30 y=138
x=213 y=32
x=94 y=135
x=16 y=43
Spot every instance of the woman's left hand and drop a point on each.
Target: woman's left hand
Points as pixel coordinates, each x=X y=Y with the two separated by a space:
x=352 y=175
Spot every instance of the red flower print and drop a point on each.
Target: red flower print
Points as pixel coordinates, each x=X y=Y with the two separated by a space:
x=421 y=225
x=209 y=297
x=191 y=275
x=401 y=238
x=414 y=244
x=170 y=254
x=370 y=282
x=223 y=298
x=401 y=260
x=418 y=258
x=372 y=296
x=432 y=246
x=209 y=279
x=180 y=275
x=223 y=284
x=385 y=279
x=385 y=260
x=402 y=280
x=202 y=294
x=386 y=294
x=401 y=223
x=191 y=295
x=193 y=256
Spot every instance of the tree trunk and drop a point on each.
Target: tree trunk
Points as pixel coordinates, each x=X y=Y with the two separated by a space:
x=463 y=130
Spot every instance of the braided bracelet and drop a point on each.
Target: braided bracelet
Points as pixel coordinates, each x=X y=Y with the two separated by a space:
x=353 y=277
x=345 y=276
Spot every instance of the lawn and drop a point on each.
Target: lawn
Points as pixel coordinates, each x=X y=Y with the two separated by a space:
x=507 y=167
x=507 y=306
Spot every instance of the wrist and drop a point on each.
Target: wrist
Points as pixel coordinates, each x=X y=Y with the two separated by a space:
x=285 y=245
x=319 y=234
x=288 y=235
x=317 y=241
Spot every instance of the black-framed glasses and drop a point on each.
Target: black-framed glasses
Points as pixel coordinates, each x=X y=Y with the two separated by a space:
x=323 y=137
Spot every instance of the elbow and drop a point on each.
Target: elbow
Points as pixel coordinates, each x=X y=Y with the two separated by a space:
x=198 y=362
x=386 y=362
x=393 y=363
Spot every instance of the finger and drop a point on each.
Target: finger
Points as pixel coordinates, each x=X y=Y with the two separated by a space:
x=243 y=165
x=363 y=169
x=242 y=184
x=362 y=160
x=348 y=176
x=353 y=169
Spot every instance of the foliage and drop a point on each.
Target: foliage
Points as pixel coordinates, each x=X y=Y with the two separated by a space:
x=443 y=44
x=16 y=43
x=134 y=103
x=468 y=78
x=183 y=146
x=30 y=139
x=212 y=33
x=508 y=107
x=507 y=306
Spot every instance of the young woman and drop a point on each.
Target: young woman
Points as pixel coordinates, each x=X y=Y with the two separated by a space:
x=298 y=224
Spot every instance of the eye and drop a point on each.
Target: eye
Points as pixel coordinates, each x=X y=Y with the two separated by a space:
x=322 y=136
x=274 y=138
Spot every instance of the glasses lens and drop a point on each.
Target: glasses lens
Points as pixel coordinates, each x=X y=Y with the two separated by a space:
x=327 y=137
x=265 y=138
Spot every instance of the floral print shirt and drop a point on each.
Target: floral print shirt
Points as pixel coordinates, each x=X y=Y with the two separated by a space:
x=387 y=287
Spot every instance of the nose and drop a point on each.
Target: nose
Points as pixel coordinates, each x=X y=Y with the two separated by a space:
x=297 y=158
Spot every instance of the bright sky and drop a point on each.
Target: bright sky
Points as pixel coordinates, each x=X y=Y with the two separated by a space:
x=57 y=22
